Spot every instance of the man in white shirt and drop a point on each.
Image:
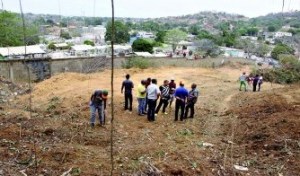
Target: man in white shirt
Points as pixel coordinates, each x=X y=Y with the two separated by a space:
x=153 y=94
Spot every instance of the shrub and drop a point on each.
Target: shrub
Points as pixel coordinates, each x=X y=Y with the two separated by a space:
x=89 y=42
x=281 y=49
x=142 y=45
x=288 y=73
x=136 y=62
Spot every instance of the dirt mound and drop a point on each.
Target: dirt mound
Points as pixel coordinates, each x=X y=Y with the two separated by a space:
x=267 y=129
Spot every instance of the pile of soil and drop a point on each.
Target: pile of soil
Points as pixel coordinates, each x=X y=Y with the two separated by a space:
x=267 y=131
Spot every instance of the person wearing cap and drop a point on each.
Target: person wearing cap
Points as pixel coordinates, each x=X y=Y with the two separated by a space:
x=172 y=86
x=98 y=103
x=191 y=101
x=141 y=97
x=153 y=94
x=128 y=86
x=181 y=95
x=164 y=98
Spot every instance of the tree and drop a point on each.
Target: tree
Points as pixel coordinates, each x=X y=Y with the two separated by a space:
x=160 y=35
x=271 y=28
x=142 y=45
x=65 y=35
x=281 y=49
x=203 y=34
x=174 y=36
x=88 y=42
x=194 y=29
x=12 y=32
x=262 y=49
x=207 y=47
x=121 y=32
x=253 y=31
x=247 y=46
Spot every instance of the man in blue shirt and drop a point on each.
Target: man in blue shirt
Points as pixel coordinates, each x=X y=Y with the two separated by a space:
x=128 y=85
x=98 y=103
x=181 y=95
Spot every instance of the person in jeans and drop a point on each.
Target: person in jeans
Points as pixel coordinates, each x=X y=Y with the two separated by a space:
x=128 y=86
x=191 y=101
x=153 y=93
x=172 y=86
x=164 y=98
x=242 y=80
x=98 y=103
x=141 y=97
x=181 y=95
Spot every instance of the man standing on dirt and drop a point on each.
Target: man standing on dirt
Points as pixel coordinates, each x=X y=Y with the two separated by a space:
x=242 y=80
x=148 y=82
x=141 y=97
x=255 y=82
x=172 y=86
x=191 y=101
x=164 y=98
x=181 y=95
x=98 y=103
x=260 y=81
x=153 y=93
x=128 y=85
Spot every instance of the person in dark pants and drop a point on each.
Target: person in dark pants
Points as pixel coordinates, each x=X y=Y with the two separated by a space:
x=153 y=93
x=172 y=86
x=191 y=101
x=164 y=98
x=128 y=85
x=98 y=103
x=148 y=82
x=260 y=81
x=255 y=82
x=181 y=95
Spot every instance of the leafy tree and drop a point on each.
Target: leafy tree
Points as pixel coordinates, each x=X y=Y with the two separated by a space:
x=88 y=42
x=12 y=32
x=271 y=28
x=229 y=38
x=194 y=29
x=174 y=36
x=203 y=34
x=65 y=35
x=207 y=47
x=253 y=31
x=262 y=49
x=142 y=45
x=160 y=35
x=281 y=49
x=247 y=46
x=121 y=32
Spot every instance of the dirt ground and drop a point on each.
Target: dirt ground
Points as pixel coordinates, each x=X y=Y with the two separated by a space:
x=259 y=131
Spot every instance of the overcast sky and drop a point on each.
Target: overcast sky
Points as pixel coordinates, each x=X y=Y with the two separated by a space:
x=150 y=8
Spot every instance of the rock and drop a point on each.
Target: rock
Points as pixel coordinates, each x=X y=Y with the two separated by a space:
x=3 y=93
x=240 y=168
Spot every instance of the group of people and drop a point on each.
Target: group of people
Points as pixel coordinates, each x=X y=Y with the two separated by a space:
x=256 y=81
x=151 y=99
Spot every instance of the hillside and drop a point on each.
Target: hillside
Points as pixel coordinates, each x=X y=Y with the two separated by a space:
x=259 y=131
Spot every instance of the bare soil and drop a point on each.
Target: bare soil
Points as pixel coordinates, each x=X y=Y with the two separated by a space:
x=260 y=131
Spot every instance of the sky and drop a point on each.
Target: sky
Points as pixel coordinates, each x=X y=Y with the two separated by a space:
x=150 y=8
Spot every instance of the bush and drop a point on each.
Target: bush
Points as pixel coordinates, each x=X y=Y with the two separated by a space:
x=281 y=49
x=142 y=45
x=88 y=42
x=136 y=62
x=288 y=73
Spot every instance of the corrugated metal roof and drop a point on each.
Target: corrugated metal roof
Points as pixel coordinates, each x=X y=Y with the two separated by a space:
x=82 y=47
x=20 y=50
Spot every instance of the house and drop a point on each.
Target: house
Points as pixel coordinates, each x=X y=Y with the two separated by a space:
x=82 y=50
x=249 y=37
x=145 y=35
x=20 y=52
x=282 y=34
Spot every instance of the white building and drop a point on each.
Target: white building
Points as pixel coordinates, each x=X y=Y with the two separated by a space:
x=19 y=52
x=282 y=34
x=145 y=35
